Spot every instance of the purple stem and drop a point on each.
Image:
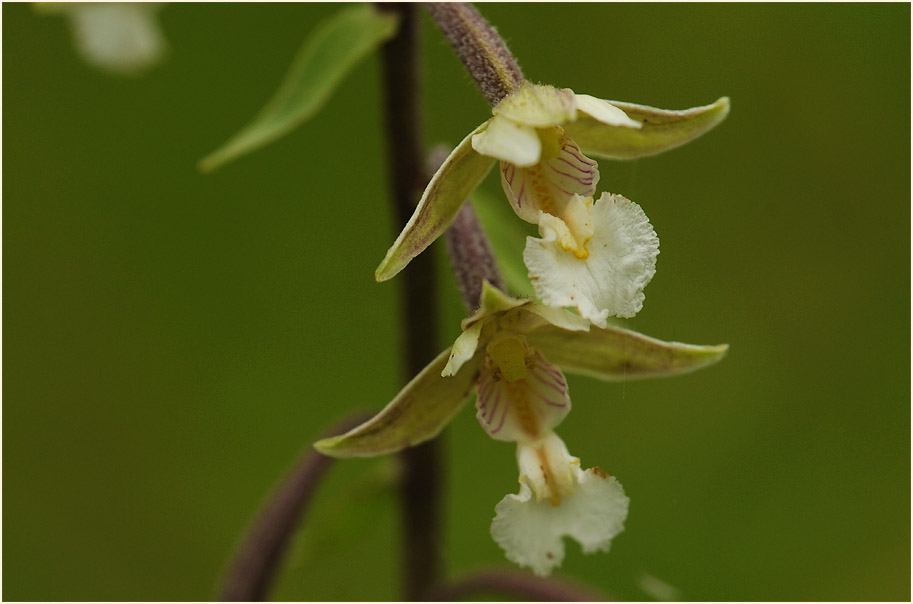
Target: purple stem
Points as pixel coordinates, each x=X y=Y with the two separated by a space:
x=257 y=558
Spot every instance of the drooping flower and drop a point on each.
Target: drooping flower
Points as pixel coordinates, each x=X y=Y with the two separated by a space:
x=541 y=166
x=512 y=354
x=542 y=136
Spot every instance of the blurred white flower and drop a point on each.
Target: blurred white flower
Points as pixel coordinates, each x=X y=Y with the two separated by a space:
x=119 y=37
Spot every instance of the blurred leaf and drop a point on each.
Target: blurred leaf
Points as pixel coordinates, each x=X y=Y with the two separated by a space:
x=449 y=188
x=618 y=354
x=335 y=46
x=507 y=234
x=419 y=412
x=661 y=130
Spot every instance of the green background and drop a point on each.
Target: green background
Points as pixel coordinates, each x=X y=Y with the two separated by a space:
x=173 y=341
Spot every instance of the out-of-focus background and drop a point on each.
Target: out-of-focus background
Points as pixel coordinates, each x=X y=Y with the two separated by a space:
x=174 y=340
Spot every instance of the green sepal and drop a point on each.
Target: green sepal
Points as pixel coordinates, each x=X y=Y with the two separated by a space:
x=334 y=47
x=418 y=413
x=449 y=188
x=661 y=130
x=618 y=354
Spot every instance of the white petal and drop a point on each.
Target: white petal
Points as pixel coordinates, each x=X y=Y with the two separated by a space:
x=508 y=141
x=525 y=409
x=548 y=185
x=548 y=468
x=604 y=111
x=120 y=37
x=464 y=347
x=559 y=317
x=610 y=280
x=531 y=534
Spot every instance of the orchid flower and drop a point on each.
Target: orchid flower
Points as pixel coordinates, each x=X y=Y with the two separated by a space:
x=542 y=136
x=512 y=353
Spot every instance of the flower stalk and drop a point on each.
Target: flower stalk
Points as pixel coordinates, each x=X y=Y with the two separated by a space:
x=254 y=565
x=471 y=257
x=422 y=477
x=479 y=47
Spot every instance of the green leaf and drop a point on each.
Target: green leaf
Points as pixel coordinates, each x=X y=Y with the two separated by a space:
x=618 y=354
x=449 y=188
x=334 y=47
x=661 y=130
x=507 y=234
x=418 y=413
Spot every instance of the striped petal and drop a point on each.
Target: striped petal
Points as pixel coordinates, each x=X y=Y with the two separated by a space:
x=548 y=185
x=525 y=408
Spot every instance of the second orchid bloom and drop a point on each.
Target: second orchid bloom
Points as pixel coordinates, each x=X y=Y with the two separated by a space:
x=595 y=256
x=512 y=354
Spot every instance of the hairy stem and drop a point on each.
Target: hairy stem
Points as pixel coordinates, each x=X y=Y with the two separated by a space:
x=479 y=46
x=421 y=485
x=254 y=564
x=514 y=583
x=471 y=257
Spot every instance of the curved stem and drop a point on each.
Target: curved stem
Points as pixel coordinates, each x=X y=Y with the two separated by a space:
x=517 y=584
x=471 y=257
x=479 y=46
x=421 y=486
x=254 y=564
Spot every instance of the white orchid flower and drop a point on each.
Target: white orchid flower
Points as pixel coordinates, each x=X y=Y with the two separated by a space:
x=512 y=354
x=543 y=136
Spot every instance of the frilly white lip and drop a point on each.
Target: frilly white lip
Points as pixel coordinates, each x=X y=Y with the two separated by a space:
x=531 y=528
x=602 y=276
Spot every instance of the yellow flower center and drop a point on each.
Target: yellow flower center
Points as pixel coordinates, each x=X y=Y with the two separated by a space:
x=574 y=228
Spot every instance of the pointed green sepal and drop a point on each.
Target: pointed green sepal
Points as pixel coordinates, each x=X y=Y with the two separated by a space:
x=661 y=130
x=419 y=412
x=493 y=301
x=334 y=47
x=449 y=188
x=618 y=354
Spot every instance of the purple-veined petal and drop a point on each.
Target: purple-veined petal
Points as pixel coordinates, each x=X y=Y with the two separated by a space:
x=548 y=185
x=524 y=409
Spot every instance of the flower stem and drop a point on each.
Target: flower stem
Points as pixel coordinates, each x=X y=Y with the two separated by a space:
x=471 y=257
x=479 y=46
x=421 y=484
x=253 y=567
x=517 y=584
